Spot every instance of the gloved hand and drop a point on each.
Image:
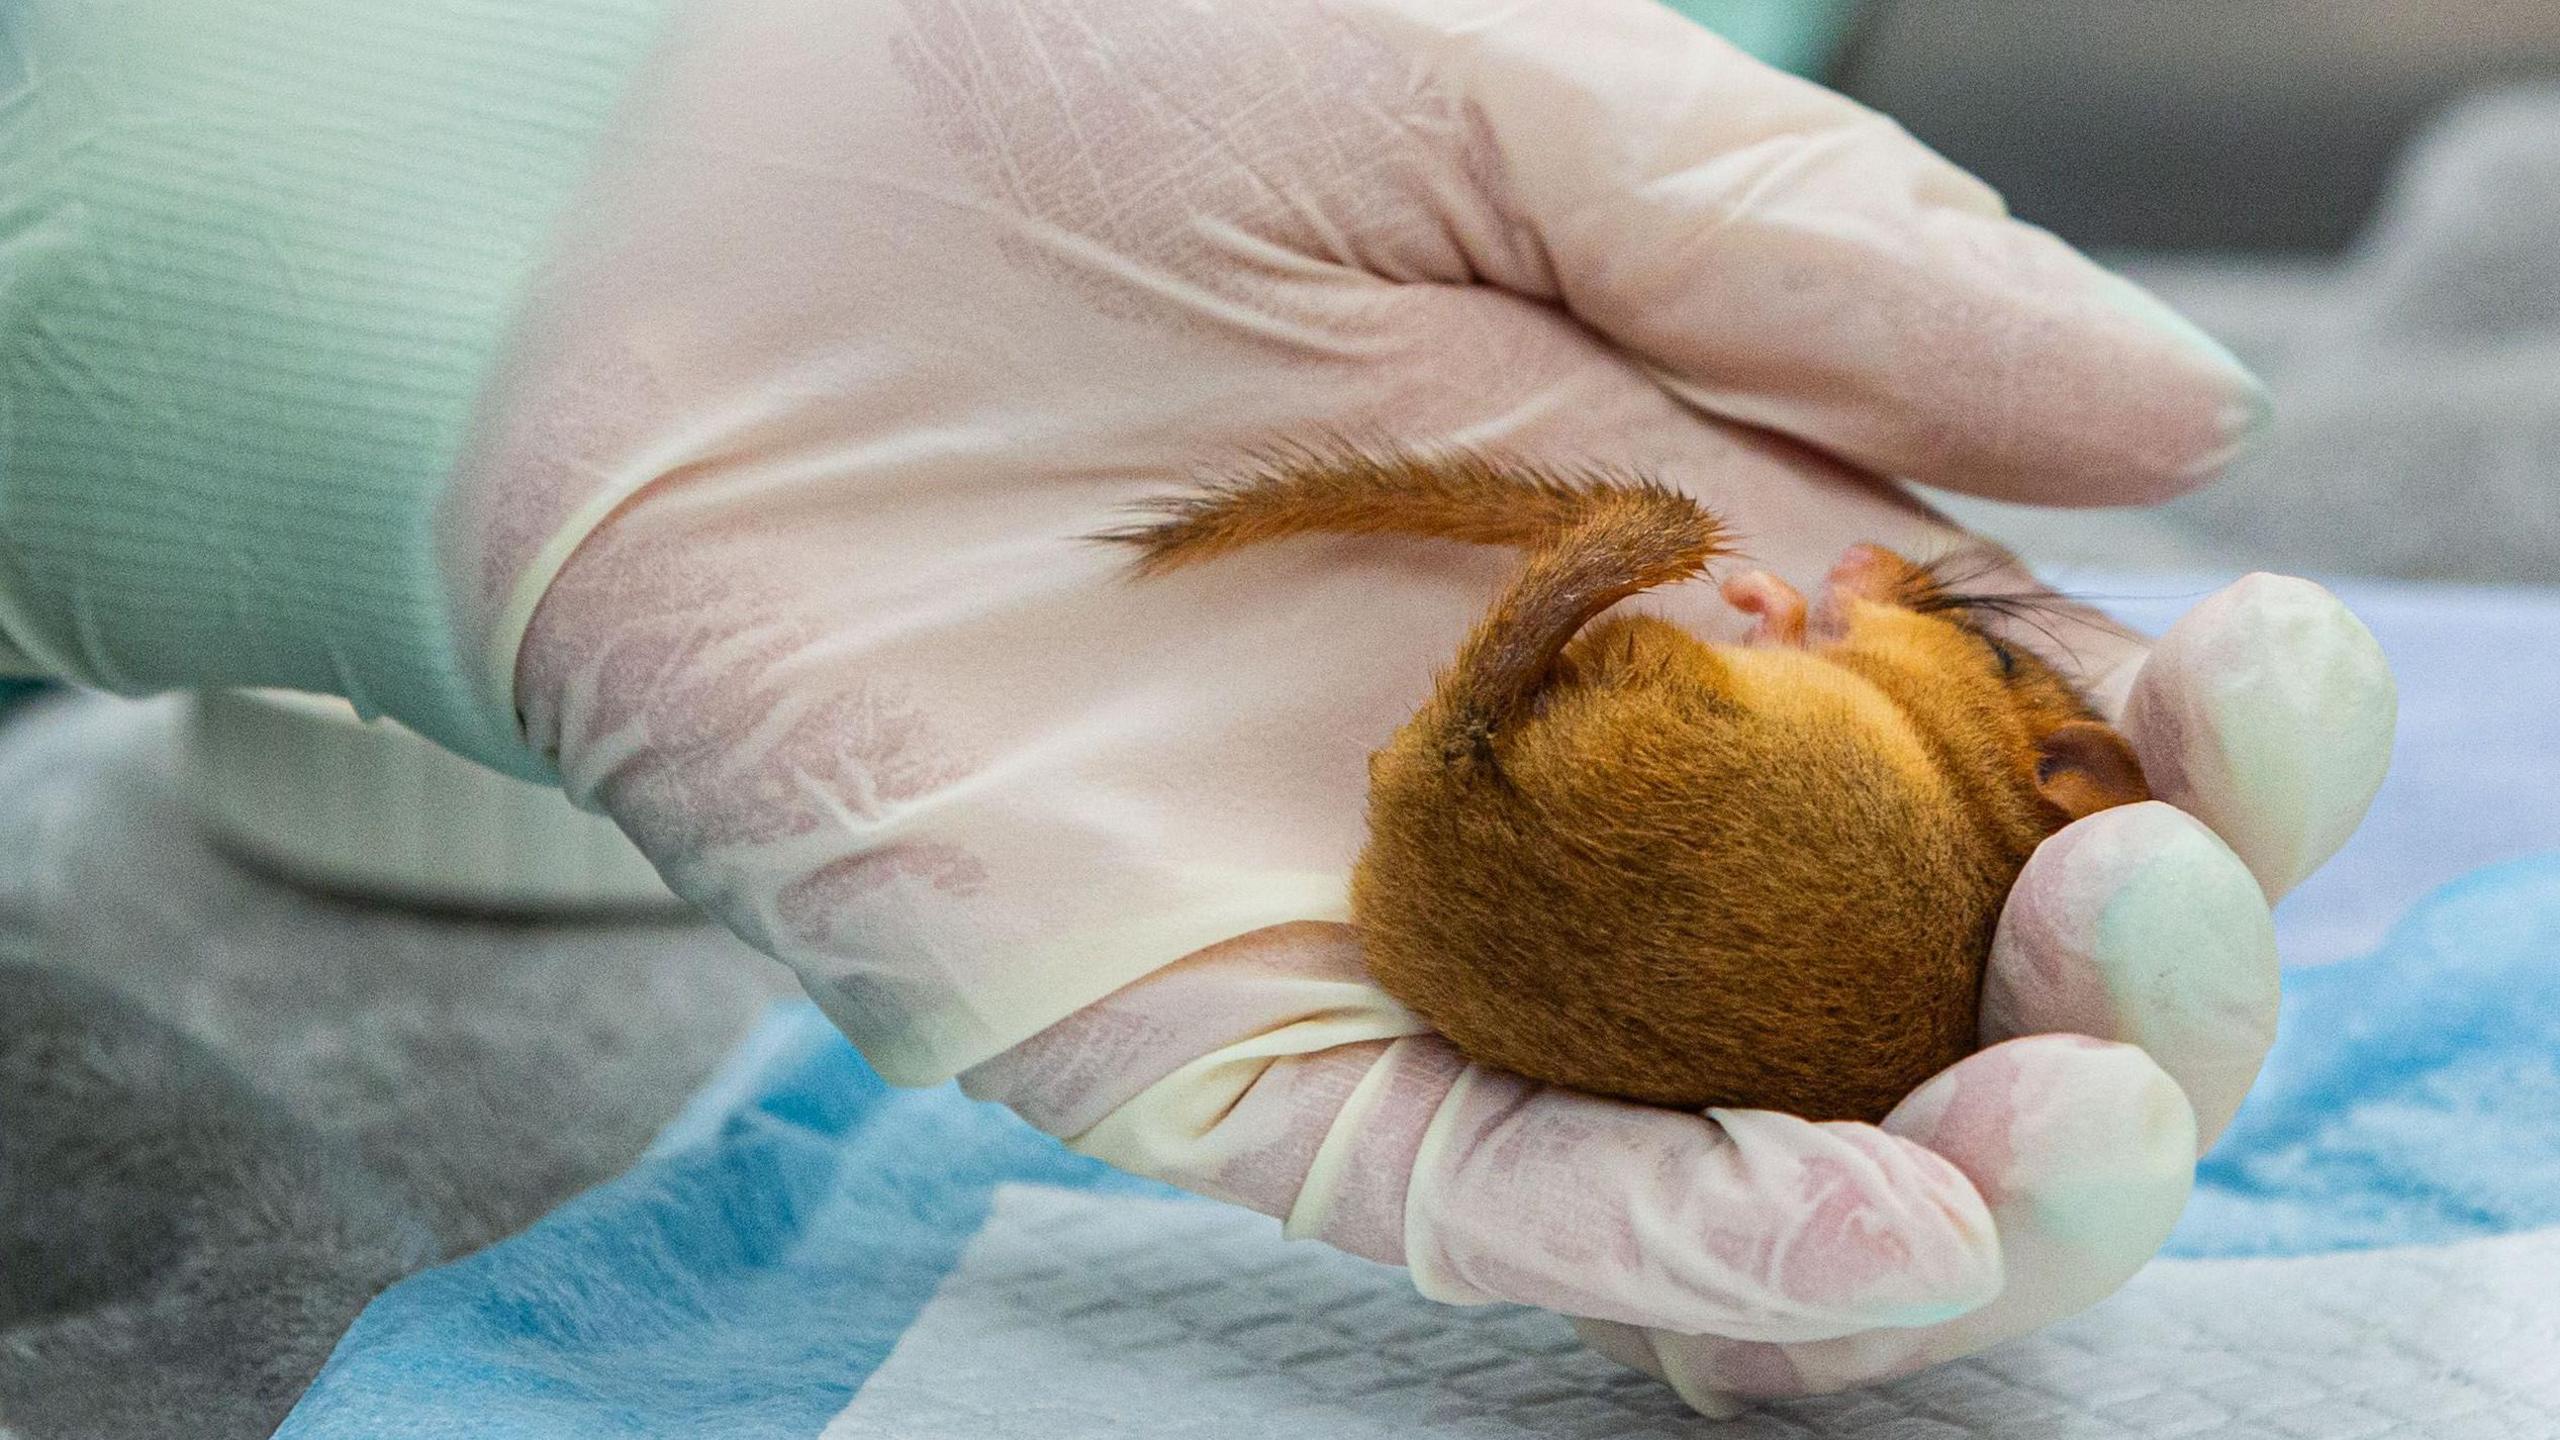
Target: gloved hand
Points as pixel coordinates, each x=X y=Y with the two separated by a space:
x=771 y=539
x=2264 y=720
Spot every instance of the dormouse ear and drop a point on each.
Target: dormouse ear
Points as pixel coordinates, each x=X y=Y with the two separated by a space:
x=2085 y=767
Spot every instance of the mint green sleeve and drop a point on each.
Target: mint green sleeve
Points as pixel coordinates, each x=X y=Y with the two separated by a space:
x=1798 y=35
x=257 y=261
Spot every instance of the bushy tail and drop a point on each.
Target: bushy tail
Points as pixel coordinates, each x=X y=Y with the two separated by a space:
x=1594 y=539
x=1462 y=495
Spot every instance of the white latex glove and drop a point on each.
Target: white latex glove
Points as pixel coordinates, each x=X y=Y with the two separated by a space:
x=771 y=538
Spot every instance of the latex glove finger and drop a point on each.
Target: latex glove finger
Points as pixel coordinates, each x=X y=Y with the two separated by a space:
x=1791 y=259
x=2267 y=712
x=1243 y=1076
x=2139 y=925
x=2084 y=1151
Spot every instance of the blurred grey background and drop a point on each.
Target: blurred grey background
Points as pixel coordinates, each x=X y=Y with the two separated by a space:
x=2360 y=197
x=2190 y=124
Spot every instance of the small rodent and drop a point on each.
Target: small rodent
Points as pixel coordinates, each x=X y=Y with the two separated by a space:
x=1626 y=860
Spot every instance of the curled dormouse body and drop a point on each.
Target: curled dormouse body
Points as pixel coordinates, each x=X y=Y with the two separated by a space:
x=1611 y=855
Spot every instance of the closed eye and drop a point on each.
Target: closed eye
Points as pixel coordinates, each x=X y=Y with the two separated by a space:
x=2001 y=653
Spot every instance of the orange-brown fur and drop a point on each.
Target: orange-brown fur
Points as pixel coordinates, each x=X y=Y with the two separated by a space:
x=1613 y=856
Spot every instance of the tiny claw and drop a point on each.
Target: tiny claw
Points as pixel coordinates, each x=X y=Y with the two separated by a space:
x=1778 y=606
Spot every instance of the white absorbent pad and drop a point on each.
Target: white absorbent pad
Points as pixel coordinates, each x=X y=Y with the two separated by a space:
x=1075 y=1314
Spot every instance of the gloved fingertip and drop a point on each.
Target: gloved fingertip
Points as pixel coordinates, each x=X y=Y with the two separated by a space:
x=2245 y=411
x=2033 y=1117
x=2139 y=925
x=2087 y=1150
x=2244 y=404
x=1678 y=1361
x=2268 y=712
x=1619 y=1344
x=1690 y=1383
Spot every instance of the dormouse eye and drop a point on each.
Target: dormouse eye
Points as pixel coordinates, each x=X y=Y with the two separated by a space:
x=2000 y=653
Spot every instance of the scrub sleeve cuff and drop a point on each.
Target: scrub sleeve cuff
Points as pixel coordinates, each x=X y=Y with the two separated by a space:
x=258 y=261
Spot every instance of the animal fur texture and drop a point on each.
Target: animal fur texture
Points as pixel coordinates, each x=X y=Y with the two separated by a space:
x=1613 y=856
